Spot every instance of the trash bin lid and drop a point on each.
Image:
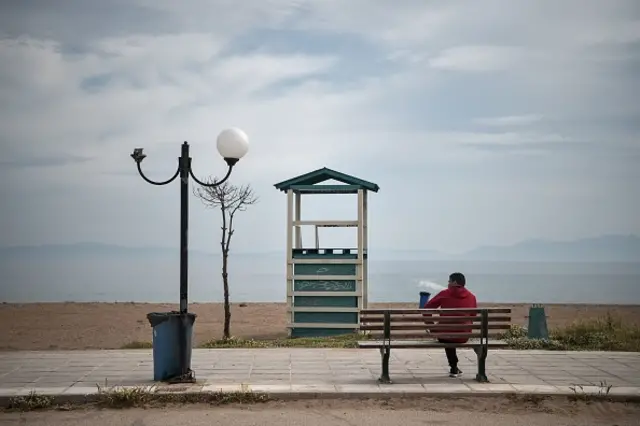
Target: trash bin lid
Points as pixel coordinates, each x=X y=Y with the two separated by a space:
x=157 y=318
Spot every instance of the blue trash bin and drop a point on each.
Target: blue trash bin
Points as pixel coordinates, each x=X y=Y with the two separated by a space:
x=424 y=298
x=166 y=343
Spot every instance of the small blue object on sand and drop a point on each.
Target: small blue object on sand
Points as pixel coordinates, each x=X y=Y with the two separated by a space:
x=424 y=298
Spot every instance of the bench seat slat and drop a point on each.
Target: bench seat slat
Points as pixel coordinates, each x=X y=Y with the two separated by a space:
x=419 y=344
x=430 y=319
x=418 y=335
x=438 y=327
x=434 y=311
x=425 y=335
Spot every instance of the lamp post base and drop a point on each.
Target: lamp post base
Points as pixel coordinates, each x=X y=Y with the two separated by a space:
x=188 y=377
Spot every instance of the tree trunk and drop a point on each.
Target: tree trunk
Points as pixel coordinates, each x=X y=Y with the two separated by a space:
x=226 y=334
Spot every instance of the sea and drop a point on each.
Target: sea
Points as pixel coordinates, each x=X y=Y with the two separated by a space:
x=262 y=279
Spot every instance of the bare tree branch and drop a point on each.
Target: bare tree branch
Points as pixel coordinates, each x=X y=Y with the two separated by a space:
x=230 y=200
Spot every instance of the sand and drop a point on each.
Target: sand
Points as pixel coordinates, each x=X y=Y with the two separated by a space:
x=406 y=412
x=69 y=326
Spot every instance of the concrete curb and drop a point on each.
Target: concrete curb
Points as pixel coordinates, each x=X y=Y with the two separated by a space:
x=59 y=397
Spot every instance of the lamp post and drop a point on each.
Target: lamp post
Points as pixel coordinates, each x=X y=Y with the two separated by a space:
x=232 y=145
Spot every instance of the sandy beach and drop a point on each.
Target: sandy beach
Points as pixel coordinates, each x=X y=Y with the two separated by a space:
x=69 y=326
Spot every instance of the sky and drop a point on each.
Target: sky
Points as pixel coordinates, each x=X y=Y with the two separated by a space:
x=483 y=123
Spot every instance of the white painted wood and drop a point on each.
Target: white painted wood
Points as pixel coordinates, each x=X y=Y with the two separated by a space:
x=327 y=223
x=296 y=218
x=359 y=268
x=289 y=265
x=365 y=249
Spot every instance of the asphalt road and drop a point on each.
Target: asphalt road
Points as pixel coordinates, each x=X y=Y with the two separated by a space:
x=342 y=414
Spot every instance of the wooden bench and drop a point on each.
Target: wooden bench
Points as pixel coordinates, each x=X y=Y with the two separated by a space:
x=411 y=329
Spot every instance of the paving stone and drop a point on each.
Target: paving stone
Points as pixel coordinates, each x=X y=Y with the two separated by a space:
x=536 y=389
x=625 y=390
x=408 y=388
x=448 y=388
x=326 y=370
x=8 y=391
x=80 y=390
x=58 y=390
x=226 y=387
x=313 y=388
x=272 y=388
x=358 y=388
x=491 y=387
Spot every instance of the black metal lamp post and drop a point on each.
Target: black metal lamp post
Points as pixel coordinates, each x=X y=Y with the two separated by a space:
x=232 y=145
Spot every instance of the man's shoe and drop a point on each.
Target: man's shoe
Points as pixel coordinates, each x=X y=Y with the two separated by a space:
x=455 y=372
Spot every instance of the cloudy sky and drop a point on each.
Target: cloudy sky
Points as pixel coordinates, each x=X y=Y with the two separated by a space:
x=483 y=122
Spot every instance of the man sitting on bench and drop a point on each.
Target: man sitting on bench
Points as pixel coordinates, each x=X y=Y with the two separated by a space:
x=456 y=296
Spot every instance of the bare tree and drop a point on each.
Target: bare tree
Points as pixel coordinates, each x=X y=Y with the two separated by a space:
x=230 y=200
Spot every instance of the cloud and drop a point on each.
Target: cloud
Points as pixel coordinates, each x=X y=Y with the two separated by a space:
x=509 y=120
x=476 y=58
x=465 y=106
x=36 y=161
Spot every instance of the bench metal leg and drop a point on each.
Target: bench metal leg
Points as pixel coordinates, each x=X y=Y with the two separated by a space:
x=482 y=364
x=385 y=353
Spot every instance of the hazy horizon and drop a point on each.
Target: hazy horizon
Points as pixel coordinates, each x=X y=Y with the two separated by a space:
x=605 y=248
x=262 y=279
x=104 y=273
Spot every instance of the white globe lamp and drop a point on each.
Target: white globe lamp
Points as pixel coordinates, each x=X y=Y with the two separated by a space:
x=233 y=144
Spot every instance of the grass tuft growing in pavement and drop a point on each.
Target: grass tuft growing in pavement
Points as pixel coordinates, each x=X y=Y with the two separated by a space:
x=343 y=341
x=602 y=334
x=579 y=393
x=30 y=402
x=145 y=396
x=121 y=397
x=136 y=344
x=131 y=397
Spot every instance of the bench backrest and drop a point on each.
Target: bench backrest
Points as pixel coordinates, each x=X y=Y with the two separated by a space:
x=480 y=323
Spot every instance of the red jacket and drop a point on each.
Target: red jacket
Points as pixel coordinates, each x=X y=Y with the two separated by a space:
x=454 y=297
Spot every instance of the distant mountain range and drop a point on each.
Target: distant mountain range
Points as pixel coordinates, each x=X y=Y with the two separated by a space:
x=90 y=249
x=608 y=248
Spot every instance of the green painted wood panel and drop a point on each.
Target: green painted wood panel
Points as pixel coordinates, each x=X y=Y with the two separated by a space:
x=320 y=332
x=326 y=317
x=324 y=269
x=319 y=285
x=328 y=301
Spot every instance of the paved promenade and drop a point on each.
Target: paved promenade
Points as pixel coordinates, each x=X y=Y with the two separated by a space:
x=326 y=371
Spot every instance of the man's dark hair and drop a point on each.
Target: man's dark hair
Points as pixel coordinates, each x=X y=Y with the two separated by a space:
x=457 y=278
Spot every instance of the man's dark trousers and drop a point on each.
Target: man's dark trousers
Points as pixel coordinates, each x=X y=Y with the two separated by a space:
x=452 y=356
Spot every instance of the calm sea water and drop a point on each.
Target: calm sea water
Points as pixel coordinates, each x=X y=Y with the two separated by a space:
x=262 y=279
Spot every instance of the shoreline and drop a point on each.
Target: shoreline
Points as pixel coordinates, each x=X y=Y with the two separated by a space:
x=104 y=325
